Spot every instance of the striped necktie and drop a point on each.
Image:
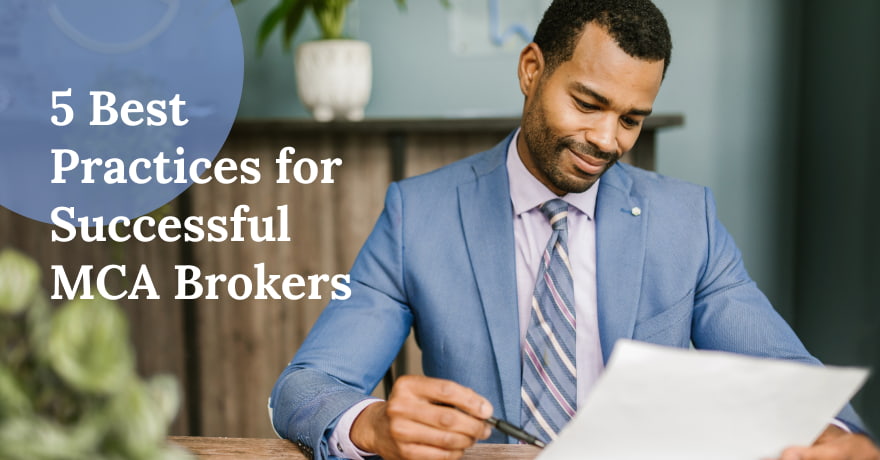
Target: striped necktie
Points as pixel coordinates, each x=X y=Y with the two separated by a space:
x=549 y=378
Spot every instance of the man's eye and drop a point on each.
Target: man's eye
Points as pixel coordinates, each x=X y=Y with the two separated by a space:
x=586 y=106
x=629 y=122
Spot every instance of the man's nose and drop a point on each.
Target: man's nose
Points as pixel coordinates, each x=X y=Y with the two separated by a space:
x=603 y=134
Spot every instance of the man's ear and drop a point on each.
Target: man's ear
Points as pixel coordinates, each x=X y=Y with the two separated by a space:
x=530 y=68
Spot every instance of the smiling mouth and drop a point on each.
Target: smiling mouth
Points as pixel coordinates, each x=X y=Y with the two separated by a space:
x=588 y=164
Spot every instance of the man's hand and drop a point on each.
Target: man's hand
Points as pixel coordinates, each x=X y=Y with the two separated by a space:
x=835 y=444
x=412 y=424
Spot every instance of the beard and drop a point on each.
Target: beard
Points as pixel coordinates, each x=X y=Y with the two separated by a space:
x=547 y=150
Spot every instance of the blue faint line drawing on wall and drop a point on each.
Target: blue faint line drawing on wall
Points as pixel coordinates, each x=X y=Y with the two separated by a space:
x=496 y=35
x=493 y=27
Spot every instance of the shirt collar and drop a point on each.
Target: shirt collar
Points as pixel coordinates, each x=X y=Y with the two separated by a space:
x=527 y=192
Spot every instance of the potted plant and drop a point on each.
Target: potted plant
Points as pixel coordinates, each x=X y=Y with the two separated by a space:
x=333 y=73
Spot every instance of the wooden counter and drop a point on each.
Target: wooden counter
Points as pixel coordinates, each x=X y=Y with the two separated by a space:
x=282 y=449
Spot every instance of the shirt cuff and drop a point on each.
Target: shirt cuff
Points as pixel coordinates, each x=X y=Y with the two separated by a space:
x=340 y=439
x=841 y=425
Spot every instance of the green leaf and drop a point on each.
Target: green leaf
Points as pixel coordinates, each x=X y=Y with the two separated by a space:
x=271 y=21
x=39 y=325
x=165 y=393
x=19 y=281
x=140 y=421
x=293 y=20
x=14 y=400
x=88 y=346
x=29 y=438
x=331 y=17
x=172 y=452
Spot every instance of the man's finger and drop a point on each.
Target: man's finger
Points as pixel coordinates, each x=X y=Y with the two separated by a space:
x=793 y=453
x=440 y=417
x=447 y=392
x=817 y=452
x=408 y=432
x=845 y=447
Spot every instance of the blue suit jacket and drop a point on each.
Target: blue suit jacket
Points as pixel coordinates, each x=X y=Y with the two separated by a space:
x=441 y=259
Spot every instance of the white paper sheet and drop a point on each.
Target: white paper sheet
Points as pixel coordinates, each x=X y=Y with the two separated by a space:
x=656 y=402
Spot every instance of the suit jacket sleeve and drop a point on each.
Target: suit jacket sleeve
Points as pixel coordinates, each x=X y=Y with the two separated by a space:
x=353 y=342
x=732 y=314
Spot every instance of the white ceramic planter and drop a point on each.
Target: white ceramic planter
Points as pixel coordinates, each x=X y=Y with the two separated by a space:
x=334 y=78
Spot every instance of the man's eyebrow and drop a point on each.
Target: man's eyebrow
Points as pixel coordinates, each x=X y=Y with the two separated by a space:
x=584 y=89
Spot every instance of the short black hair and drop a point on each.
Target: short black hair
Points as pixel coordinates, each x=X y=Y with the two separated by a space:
x=637 y=26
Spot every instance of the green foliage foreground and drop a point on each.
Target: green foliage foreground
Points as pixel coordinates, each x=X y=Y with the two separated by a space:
x=68 y=387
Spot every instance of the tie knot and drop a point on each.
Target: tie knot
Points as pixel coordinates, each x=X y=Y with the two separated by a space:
x=556 y=211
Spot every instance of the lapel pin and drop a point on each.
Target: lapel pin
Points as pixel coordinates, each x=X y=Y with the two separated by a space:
x=636 y=211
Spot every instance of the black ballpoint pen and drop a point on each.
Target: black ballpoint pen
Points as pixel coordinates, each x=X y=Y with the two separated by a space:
x=514 y=431
x=508 y=429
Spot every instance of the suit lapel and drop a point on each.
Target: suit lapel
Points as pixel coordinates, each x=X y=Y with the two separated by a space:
x=620 y=253
x=487 y=217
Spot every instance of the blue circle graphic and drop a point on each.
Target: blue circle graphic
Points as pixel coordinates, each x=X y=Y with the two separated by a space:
x=112 y=107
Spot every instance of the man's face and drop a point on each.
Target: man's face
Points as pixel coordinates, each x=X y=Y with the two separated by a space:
x=581 y=118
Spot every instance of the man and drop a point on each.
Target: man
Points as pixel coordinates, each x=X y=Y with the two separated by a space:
x=519 y=268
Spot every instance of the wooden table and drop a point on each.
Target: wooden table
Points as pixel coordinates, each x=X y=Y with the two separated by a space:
x=259 y=449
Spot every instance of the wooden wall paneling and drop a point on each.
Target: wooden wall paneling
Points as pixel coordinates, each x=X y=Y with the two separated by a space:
x=156 y=326
x=208 y=200
x=314 y=229
x=288 y=331
x=18 y=232
x=360 y=191
x=235 y=337
x=7 y=226
x=244 y=345
x=427 y=151
x=215 y=357
x=359 y=197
